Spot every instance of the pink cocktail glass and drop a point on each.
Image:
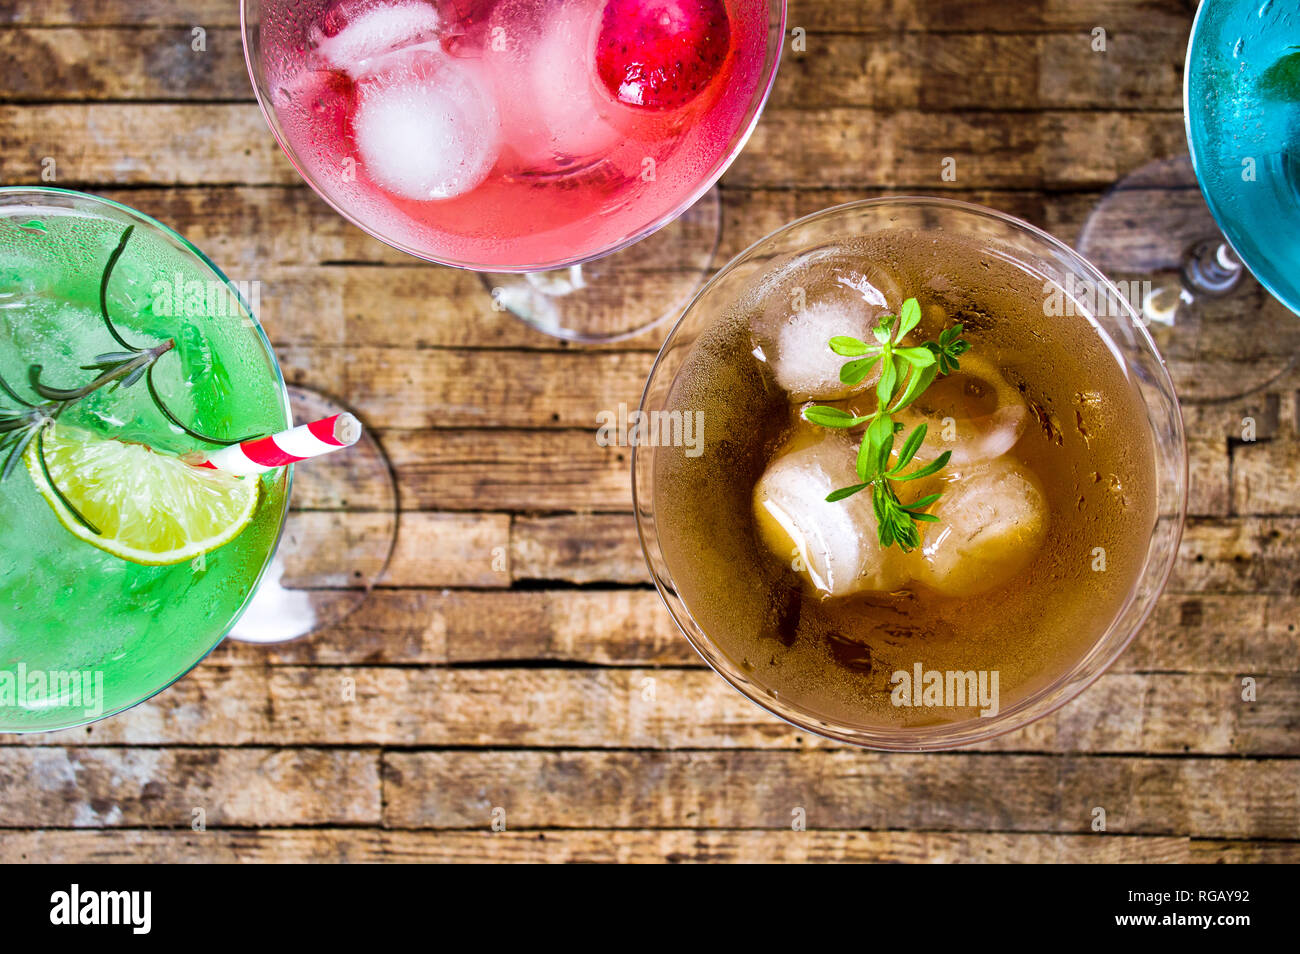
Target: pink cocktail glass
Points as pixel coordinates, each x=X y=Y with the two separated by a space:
x=529 y=140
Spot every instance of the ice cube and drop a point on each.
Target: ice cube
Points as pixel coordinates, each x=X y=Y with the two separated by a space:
x=541 y=58
x=992 y=520
x=792 y=332
x=354 y=33
x=972 y=412
x=832 y=545
x=426 y=128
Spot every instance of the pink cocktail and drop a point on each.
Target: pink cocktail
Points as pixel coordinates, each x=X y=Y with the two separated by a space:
x=512 y=135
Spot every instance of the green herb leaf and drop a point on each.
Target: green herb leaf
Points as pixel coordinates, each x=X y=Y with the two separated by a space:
x=897 y=388
x=916 y=357
x=847 y=347
x=843 y=492
x=855 y=371
x=879 y=506
x=888 y=378
x=911 y=317
x=923 y=502
x=936 y=465
x=909 y=448
x=916 y=385
x=879 y=436
x=824 y=416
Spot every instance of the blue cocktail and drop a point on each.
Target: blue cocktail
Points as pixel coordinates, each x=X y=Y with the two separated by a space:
x=1242 y=103
x=1183 y=236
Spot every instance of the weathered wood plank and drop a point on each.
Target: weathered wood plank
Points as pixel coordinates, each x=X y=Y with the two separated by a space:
x=940 y=16
x=398 y=389
x=977 y=16
x=941 y=71
x=418 y=388
x=1241 y=634
x=79 y=146
x=492 y=469
x=497 y=469
x=263 y=232
x=493 y=550
x=284 y=238
x=1211 y=797
x=847 y=148
x=118 y=12
x=931 y=71
x=646 y=709
x=1246 y=555
x=1209 y=477
x=330 y=845
x=112 y=787
x=578 y=548
x=463 y=627
x=103 y=144
x=1199 y=633
x=1266 y=463
x=447 y=549
x=431 y=549
x=504 y=469
x=145 y=63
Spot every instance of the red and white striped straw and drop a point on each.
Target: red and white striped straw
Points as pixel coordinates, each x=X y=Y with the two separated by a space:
x=288 y=447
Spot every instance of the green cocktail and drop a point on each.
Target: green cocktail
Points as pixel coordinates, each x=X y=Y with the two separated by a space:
x=84 y=632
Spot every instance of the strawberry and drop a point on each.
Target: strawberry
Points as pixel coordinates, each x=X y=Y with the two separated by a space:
x=661 y=54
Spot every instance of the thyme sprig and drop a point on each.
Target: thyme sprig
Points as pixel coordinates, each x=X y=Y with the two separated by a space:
x=24 y=421
x=905 y=373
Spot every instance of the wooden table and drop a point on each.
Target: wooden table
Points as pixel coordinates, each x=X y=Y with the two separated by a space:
x=485 y=685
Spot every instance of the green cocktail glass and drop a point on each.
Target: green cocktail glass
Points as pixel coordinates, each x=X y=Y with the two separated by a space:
x=85 y=634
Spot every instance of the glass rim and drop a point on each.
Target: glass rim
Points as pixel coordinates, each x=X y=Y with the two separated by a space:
x=762 y=93
x=281 y=387
x=945 y=736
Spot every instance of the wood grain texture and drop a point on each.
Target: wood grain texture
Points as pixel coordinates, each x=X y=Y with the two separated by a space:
x=1154 y=713
x=932 y=71
x=1228 y=798
x=625 y=846
x=516 y=657
x=97 y=144
x=926 y=16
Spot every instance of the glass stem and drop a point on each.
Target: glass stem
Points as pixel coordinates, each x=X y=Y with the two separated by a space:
x=1211 y=268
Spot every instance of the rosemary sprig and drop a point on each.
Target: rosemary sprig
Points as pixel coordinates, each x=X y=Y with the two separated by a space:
x=118 y=368
x=49 y=479
x=18 y=429
x=132 y=364
x=905 y=373
x=26 y=421
x=103 y=288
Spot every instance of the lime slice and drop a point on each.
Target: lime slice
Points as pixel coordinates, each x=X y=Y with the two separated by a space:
x=148 y=507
